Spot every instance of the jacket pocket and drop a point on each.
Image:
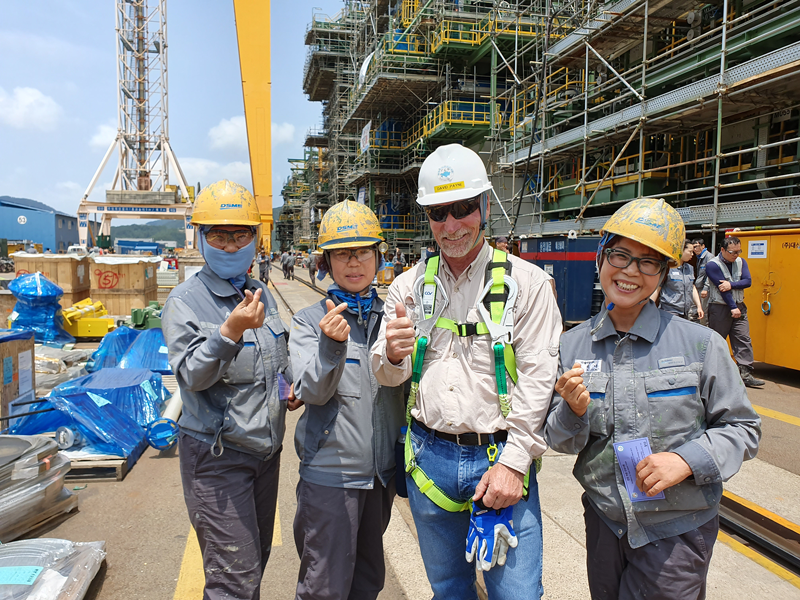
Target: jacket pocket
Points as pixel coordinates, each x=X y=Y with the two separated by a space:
x=242 y=369
x=596 y=384
x=277 y=332
x=676 y=410
x=350 y=382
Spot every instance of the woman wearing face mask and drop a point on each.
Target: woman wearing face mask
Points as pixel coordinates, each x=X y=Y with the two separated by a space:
x=228 y=350
x=636 y=381
x=345 y=438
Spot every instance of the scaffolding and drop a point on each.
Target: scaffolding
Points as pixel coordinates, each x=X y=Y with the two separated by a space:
x=576 y=106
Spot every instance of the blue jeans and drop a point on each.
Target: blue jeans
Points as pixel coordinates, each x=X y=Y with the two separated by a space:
x=443 y=535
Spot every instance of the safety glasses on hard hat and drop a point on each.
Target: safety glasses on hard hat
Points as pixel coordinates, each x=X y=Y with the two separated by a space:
x=344 y=254
x=219 y=238
x=621 y=259
x=459 y=210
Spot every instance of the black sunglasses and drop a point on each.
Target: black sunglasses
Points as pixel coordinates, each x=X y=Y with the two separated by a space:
x=459 y=210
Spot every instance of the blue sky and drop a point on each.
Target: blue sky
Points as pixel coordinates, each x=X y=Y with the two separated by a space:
x=58 y=94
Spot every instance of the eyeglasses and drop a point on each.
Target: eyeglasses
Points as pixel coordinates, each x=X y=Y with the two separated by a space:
x=733 y=252
x=459 y=210
x=220 y=238
x=344 y=254
x=647 y=266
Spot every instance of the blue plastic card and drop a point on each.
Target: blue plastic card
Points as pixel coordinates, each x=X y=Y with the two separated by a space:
x=19 y=575
x=629 y=454
x=283 y=388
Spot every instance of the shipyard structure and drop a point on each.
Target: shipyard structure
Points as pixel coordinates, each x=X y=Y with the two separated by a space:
x=575 y=106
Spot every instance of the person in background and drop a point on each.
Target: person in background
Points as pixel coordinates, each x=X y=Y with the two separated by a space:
x=227 y=348
x=634 y=375
x=703 y=256
x=728 y=278
x=501 y=243
x=48 y=251
x=290 y=265
x=285 y=264
x=263 y=268
x=678 y=294
x=312 y=267
x=430 y=251
x=345 y=438
x=398 y=262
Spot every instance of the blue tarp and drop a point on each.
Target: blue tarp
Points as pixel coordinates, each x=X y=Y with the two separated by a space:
x=105 y=429
x=38 y=310
x=136 y=392
x=111 y=349
x=148 y=351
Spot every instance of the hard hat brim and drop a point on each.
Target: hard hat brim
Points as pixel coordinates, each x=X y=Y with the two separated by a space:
x=248 y=222
x=358 y=242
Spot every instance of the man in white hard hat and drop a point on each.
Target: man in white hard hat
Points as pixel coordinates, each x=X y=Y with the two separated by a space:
x=479 y=392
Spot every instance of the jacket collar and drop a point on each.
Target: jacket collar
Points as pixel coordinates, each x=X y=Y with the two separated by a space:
x=646 y=326
x=220 y=287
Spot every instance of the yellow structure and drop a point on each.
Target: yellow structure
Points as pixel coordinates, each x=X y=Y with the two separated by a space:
x=774 y=260
x=87 y=319
x=253 y=33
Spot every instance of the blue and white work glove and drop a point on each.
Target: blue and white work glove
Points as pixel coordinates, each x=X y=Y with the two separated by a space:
x=491 y=534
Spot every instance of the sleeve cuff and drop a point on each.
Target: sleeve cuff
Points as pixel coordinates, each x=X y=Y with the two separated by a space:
x=332 y=350
x=395 y=370
x=222 y=347
x=515 y=458
x=703 y=467
x=569 y=421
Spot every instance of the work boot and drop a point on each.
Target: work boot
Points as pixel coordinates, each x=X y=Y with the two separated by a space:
x=748 y=379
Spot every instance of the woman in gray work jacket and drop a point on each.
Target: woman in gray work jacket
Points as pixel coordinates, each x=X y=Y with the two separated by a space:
x=345 y=438
x=227 y=348
x=639 y=382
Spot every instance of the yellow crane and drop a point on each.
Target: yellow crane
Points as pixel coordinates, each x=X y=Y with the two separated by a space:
x=254 y=38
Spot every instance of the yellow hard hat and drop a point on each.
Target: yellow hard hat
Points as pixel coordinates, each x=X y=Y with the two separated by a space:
x=349 y=225
x=225 y=203
x=651 y=222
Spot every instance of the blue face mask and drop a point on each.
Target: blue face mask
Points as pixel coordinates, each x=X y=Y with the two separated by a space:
x=229 y=265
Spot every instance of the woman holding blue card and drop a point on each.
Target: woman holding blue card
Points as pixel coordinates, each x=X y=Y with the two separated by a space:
x=345 y=438
x=654 y=408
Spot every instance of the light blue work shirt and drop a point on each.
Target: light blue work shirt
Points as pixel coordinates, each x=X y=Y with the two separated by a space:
x=676 y=293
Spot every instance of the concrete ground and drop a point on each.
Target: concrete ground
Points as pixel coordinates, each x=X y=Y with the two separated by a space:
x=152 y=556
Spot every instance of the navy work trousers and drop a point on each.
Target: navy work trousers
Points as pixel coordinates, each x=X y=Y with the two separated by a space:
x=231 y=501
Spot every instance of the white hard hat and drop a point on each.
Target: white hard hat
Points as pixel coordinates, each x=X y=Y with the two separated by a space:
x=450 y=174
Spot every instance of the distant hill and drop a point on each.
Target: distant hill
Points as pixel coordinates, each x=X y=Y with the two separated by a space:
x=171 y=230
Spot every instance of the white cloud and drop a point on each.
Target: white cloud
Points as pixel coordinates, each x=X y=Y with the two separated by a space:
x=28 y=108
x=230 y=134
x=103 y=137
x=208 y=171
x=282 y=133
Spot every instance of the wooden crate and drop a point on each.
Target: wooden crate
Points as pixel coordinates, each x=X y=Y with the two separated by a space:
x=124 y=286
x=70 y=274
x=68 y=300
x=19 y=374
x=120 y=302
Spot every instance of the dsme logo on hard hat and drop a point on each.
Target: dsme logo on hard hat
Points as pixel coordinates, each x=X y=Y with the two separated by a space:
x=445 y=173
x=226 y=206
x=346 y=228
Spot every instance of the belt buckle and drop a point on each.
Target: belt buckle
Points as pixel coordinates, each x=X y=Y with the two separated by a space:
x=458 y=438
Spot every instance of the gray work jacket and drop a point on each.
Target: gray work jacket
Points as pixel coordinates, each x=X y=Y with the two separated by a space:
x=702 y=261
x=676 y=293
x=668 y=380
x=229 y=389
x=346 y=436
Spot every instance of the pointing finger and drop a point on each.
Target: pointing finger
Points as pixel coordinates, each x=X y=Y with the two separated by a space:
x=329 y=304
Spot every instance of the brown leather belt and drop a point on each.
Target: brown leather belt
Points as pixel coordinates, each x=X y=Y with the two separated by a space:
x=466 y=439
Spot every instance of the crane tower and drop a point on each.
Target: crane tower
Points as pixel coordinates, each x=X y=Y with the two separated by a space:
x=145 y=160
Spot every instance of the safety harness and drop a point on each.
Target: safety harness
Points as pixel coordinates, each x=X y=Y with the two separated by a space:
x=496 y=306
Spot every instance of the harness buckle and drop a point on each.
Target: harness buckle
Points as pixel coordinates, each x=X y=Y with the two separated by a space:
x=422 y=324
x=502 y=332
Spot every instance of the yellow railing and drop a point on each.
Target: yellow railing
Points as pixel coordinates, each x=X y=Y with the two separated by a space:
x=398 y=222
x=558 y=83
x=404 y=43
x=451 y=112
x=474 y=34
